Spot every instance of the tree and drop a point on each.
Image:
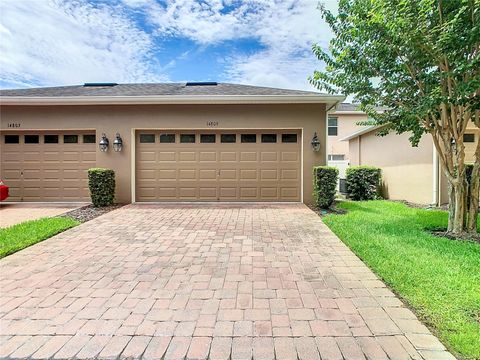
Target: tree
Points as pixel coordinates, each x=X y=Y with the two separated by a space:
x=421 y=60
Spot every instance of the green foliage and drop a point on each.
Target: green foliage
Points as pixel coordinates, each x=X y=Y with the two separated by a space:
x=20 y=236
x=415 y=58
x=363 y=182
x=101 y=183
x=436 y=276
x=324 y=185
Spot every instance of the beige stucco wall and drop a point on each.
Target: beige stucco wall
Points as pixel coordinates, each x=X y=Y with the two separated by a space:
x=407 y=171
x=125 y=118
x=347 y=124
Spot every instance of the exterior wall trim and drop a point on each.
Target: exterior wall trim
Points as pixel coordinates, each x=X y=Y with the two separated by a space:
x=172 y=99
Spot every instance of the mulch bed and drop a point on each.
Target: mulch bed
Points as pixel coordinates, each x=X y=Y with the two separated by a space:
x=324 y=212
x=89 y=212
x=465 y=237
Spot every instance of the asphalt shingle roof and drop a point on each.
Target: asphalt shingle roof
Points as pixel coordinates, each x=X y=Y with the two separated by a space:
x=164 y=89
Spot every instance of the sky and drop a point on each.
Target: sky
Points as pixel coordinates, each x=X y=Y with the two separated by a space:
x=69 y=42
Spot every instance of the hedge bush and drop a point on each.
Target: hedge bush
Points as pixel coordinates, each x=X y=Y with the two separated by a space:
x=363 y=182
x=101 y=183
x=324 y=185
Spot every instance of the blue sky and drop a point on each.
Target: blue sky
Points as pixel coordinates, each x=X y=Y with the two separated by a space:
x=65 y=42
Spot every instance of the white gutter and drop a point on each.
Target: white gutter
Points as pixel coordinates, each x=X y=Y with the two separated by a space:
x=170 y=99
x=435 y=174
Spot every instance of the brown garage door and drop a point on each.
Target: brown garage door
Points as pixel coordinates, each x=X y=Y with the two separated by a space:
x=218 y=165
x=47 y=166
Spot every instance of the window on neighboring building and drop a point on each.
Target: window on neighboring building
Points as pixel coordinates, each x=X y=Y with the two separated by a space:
x=336 y=157
x=332 y=126
x=469 y=138
x=12 y=139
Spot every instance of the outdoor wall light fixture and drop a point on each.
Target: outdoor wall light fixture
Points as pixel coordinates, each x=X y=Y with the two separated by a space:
x=103 y=144
x=117 y=143
x=315 y=142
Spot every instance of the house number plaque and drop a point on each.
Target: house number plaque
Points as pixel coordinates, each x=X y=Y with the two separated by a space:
x=13 y=125
x=212 y=123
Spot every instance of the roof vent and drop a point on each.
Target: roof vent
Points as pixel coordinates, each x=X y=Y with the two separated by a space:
x=99 y=84
x=202 y=83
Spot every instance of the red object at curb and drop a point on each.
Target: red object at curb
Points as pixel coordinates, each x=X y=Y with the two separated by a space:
x=3 y=191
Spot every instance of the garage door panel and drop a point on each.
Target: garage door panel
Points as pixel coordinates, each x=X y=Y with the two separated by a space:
x=269 y=156
x=207 y=174
x=166 y=156
x=187 y=156
x=269 y=193
x=207 y=156
x=248 y=156
x=249 y=174
x=289 y=156
x=219 y=171
x=187 y=193
x=47 y=172
x=163 y=174
x=248 y=192
x=287 y=174
x=187 y=174
x=269 y=174
x=209 y=193
x=228 y=156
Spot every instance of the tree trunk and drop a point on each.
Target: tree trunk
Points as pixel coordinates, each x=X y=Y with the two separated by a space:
x=451 y=207
x=460 y=207
x=474 y=190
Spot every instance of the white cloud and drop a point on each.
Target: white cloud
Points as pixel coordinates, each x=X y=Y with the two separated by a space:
x=56 y=42
x=286 y=28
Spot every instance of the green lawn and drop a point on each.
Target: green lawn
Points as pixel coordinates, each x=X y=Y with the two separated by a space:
x=439 y=278
x=20 y=236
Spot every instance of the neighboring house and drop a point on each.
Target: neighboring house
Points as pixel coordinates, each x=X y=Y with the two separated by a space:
x=180 y=142
x=409 y=173
x=342 y=121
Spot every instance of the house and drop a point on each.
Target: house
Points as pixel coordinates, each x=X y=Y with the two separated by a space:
x=409 y=173
x=342 y=121
x=166 y=142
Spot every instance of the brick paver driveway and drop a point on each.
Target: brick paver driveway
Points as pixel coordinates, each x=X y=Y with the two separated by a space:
x=203 y=281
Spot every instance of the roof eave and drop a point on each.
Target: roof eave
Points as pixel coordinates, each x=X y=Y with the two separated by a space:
x=170 y=99
x=362 y=132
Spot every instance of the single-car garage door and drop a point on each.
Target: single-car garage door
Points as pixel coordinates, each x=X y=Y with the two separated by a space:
x=47 y=165
x=218 y=165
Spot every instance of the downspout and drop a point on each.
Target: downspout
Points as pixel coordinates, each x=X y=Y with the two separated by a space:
x=435 y=185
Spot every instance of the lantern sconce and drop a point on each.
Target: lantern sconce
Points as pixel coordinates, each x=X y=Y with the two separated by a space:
x=103 y=144
x=117 y=143
x=315 y=142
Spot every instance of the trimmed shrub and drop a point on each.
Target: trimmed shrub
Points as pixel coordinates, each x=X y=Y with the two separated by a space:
x=363 y=182
x=101 y=183
x=324 y=185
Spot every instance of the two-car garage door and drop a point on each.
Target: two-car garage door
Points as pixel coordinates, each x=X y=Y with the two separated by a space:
x=218 y=165
x=47 y=165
